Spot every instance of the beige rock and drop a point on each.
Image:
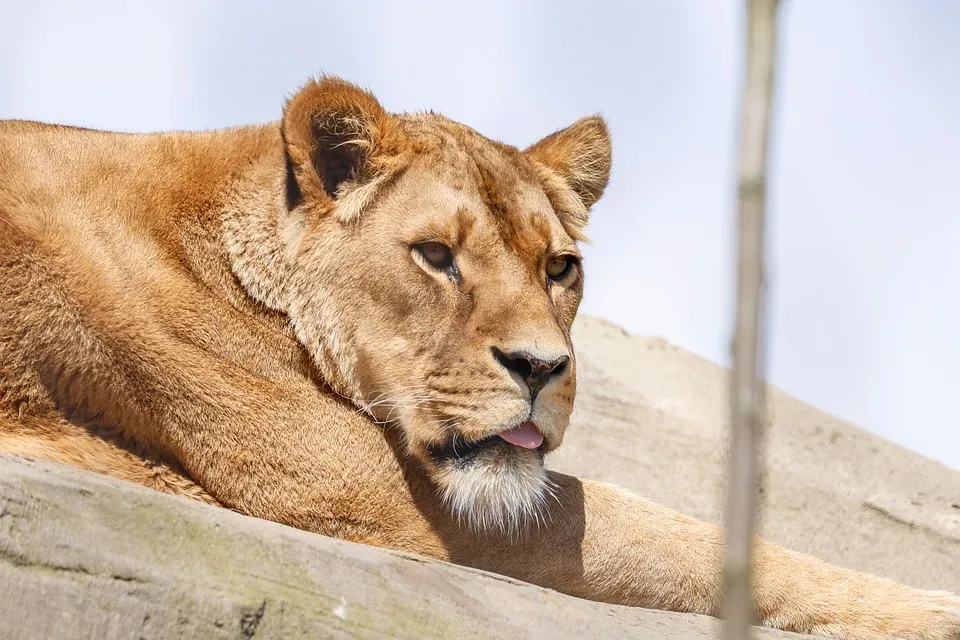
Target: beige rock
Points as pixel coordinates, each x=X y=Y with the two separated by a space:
x=652 y=418
x=87 y=556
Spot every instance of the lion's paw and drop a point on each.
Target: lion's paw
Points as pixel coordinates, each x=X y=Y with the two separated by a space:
x=905 y=613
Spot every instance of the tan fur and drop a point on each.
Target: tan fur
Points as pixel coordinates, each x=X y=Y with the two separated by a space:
x=242 y=317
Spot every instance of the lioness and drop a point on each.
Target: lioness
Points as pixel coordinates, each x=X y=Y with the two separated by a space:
x=356 y=323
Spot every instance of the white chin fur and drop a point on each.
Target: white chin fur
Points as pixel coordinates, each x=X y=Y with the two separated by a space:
x=498 y=491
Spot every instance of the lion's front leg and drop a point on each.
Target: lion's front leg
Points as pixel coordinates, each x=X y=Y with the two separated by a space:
x=606 y=544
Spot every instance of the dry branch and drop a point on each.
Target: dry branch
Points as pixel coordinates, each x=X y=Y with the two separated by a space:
x=746 y=390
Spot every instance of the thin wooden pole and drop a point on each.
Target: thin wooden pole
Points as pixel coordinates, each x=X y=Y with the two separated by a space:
x=746 y=390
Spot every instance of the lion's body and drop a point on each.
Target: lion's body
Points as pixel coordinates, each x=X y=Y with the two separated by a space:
x=229 y=316
x=78 y=259
x=151 y=285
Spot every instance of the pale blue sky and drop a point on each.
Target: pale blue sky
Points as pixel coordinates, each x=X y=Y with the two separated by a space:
x=865 y=203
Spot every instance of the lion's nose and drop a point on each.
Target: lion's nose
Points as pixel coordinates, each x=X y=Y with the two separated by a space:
x=536 y=372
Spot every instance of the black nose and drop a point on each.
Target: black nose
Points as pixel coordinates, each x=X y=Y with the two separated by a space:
x=534 y=371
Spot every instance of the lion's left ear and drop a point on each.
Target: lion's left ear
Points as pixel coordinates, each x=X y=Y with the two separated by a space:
x=575 y=168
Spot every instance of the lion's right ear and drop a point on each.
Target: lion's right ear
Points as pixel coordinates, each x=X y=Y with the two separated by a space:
x=339 y=141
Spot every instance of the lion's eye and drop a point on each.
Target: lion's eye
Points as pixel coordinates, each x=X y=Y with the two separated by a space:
x=559 y=267
x=436 y=254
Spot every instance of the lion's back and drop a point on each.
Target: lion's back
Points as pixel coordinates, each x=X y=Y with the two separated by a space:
x=91 y=231
x=52 y=175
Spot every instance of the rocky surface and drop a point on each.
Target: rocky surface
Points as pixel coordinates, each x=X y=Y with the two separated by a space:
x=652 y=418
x=86 y=556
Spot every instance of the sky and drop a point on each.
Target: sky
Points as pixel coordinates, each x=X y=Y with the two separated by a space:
x=863 y=311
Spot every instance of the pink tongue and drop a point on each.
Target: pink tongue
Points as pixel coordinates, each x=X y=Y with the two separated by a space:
x=526 y=436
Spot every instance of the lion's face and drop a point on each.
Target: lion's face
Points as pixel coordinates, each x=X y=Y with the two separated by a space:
x=435 y=282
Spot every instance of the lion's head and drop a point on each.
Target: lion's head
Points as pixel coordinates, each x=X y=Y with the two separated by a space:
x=434 y=275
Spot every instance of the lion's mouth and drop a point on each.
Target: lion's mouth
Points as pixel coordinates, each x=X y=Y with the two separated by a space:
x=525 y=436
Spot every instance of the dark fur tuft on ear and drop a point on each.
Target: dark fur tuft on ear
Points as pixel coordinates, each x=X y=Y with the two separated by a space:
x=339 y=141
x=578 y=160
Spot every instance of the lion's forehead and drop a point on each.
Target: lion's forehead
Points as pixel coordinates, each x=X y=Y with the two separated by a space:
x=482 y=185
